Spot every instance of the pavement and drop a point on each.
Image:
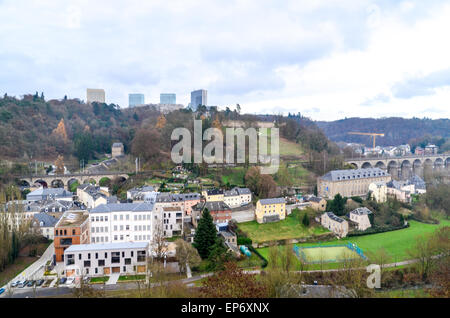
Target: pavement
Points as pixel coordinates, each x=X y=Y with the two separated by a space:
x=113 y=278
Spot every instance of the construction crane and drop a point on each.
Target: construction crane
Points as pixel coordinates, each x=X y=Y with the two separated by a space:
x=374 y=135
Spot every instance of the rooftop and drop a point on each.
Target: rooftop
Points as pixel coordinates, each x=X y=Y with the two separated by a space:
x=272 y=201
x=361 y=211
x=123 y=207
x=109 y=246
x=212 y=206
x=72 y=218
x=46 y=219
x=339 y=175
x=332 y=216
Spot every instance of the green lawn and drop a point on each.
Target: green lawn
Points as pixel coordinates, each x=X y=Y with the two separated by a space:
x=95 y=280
x=290 y=148
x=396 y=243
x=289 y=228
x=235 y=177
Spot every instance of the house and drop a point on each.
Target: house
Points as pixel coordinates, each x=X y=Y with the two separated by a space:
x=378 y=191
x=184 y=200
x=317 y=203
x=237 y=197
x=43 y=194
x=230 y=240
x=431 y=149
x=106 y=259
x=419 y=185
x=361 y=217
x=270 y=210
x=92 y=196
x=71 y=229
x=122 y=222
x=117 y=150
x=401 y=190
x=419 y=151
x=212 y=195
x=219 y=210
x=349 y=183
x=44 y=224
x=140 y=194
x=337 y=225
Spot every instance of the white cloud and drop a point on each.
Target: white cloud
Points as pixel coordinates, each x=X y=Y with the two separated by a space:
x=329 y=59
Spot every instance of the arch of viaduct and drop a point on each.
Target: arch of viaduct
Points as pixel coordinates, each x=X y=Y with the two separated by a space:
x=55 y=181
x=403 y=166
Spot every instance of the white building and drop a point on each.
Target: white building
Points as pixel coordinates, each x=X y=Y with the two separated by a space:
x=173 y=221
x=43 y=194
x=337 y=225
x=378 y=191
x=142 y=194
x=122 y=222
x=92 y=196
x=95 y=95
x=106 y=259
x=361 y=216
x=237 y=197
x=45 y=224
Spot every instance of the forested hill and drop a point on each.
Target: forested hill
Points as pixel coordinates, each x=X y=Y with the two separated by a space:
x=397 y=130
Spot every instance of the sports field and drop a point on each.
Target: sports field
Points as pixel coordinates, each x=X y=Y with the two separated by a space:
x=327 y=254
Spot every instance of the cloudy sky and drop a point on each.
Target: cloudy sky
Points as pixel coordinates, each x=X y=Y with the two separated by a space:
x=326 y=59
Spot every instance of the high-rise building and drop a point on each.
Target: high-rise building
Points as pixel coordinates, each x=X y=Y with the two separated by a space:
x=136 y=100
x=199 y=97
x=167 y=98
x=95 y=95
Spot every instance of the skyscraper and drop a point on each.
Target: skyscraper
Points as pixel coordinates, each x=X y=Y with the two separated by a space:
x=199 y=97
x=95 y=95
x=135 y=100
x=167 y=98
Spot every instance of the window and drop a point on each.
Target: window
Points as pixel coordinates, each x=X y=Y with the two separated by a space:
x=123 y=254
x=115 y=237
x=121 y=237
x=141 y=256
x=79 y=256
x=96 y=270
x=124 y=268
x=115 y=227
x=106 y=255
x=132 y=253
x=127 y=217
x=96 y=219
x=101 y=219
x=96 y=255
x=115 y=217
x=89 y=255
x=101 y=262
x=87 y=263
x=121 y=227
x=121 y=217
x=127 y=227
x=106 y=218
x=115 y=257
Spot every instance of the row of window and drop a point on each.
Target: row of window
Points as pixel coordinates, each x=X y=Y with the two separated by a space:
x=121 y=217
x=63 y=232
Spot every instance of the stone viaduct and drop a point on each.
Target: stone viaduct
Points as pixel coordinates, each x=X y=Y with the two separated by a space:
x=55 y=181
x=403 y=167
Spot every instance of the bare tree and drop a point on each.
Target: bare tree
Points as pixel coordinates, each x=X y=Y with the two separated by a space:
x=187 y=255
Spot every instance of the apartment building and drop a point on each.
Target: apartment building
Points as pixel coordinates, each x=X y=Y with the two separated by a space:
x=317 y=203
x=337 y=225
x=361 y=217
x=219 y=210
x=348 y=183
x=92 y=196
x=173 y=221
x=378 y=191
x=71 y=229
x=122 y=222
x=44 y=224
x=212 y=195
x=105 y=259
x=237 y=197
x=270 y=210
x=140 y=194
x=185 y=201
x=43 y=194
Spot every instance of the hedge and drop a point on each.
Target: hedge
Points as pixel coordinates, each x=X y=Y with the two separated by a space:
x=374 y=230
x=253 y=250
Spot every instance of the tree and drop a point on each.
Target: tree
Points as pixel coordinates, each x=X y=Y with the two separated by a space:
x=252 y=179
x=219 y=255
x=161 y=123
x=205 y=235
x=267 y=186
x=60 y=130
x=232 y=282
x=59 y=163
x=84 y=146
x=287 y=258
x=337 y=205
x=159 y=241
x=147 y=144
x=305 y=220
x=186 y=255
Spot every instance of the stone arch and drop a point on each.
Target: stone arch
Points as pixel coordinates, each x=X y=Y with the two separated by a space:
x=43 y=183
x=418 y=167
x=57 y=183
x=366 y=165
x=393 y=168
x=406 y=169
x=447 y=163
x=23 y=183
x=439 y=163
x=104 y=181
x=71 y=181
x=381 y=165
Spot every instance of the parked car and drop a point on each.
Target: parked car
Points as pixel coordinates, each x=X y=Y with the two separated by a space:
x=62 y=280
x=16 y=283
x=2 y=290
x=86 y=279
x=39 y=282
x=31 y=283
x=70 y=281
x=23 y=284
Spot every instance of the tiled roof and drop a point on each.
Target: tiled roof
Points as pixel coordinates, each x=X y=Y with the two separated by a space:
x=122 y=207
x=340 y=175
x=272 y=201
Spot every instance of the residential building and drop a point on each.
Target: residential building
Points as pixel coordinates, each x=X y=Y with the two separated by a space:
x=361 y=217
x=213 y=195
x=165 y=98
x=401 y=190
x=270 y=210
x=220 y=211
x=71 y=229
x=92 y=196
x=141 y=194
x=317 y=203
x=44 y=224
x=348 y=183
x=419 y=151
x=183 y=200
x=237 y=197
x=105 y=259
x=199 y=97
x=43 y=194
x=419 y=184
x=230 y=240
x=95 y=95
x=431 y=149
x=378 y=191
x=122 y=222
x=337 y=225
x=173 y=221
x=117 y=150
x=135 y=100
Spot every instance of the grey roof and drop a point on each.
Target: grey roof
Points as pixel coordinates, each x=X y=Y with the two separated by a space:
x=172 y=197
x=237 y=191
x=122 y=207
x=117 y=144
x=272 y=201
x=212 y=206
x=46 y=219
x=243 y=190
x=49 y=192
x=315 y=199
x=334 y=217
x=396 y=184
x=109 y=246
x=339 y=175
x=361 y=211
x=418 y=182
x=214 y=191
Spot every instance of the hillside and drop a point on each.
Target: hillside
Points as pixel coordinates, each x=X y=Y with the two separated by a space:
x=397 y=130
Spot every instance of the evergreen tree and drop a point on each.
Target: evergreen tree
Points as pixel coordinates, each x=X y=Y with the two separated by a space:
x=337 y=205
x=305 y=220
x=218 y=256
x=206 y=235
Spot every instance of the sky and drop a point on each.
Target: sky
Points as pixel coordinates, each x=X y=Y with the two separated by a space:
x=326 y=59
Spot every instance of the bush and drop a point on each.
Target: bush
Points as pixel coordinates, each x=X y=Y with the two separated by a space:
x=242 y=240
x=265 y=262
x=377 y=229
